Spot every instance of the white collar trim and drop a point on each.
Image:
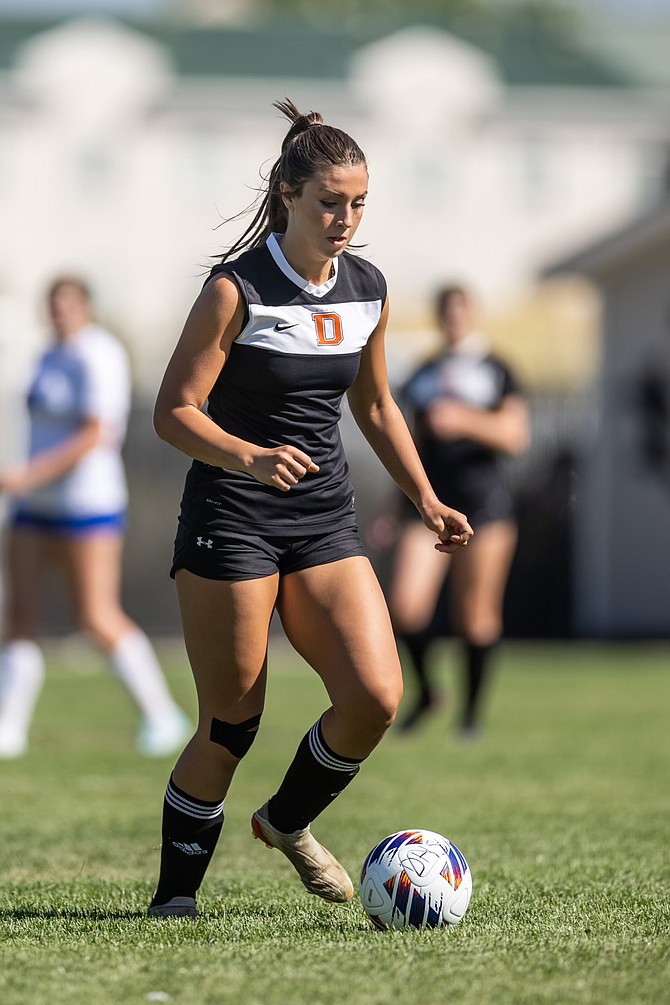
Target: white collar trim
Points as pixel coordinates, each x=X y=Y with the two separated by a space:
x=318 y=291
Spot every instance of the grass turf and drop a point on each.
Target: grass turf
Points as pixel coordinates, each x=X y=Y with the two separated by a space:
x=560 y=809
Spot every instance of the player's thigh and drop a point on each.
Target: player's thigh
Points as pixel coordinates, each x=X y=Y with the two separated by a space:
x=418 y=574
x=93 y=567
x=26 y=566
x=226 y=628
x=92 y=564
x=480 y=571
x=336 y=617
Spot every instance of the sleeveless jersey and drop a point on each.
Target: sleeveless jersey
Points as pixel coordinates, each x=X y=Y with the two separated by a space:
x=461 y=471
x=298 y=352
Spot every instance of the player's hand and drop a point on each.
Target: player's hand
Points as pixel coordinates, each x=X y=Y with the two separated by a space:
x=281 y=467
x=451 y=527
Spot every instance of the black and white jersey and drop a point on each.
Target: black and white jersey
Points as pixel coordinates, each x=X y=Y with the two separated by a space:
x=298 y=352
x=465 y=474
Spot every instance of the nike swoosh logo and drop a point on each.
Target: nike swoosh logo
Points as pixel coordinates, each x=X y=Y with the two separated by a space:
x=279 y=327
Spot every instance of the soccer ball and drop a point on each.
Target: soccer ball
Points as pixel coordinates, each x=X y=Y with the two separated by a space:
x=415 y=879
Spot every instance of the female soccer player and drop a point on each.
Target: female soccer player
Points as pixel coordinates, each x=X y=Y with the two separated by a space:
x=274 y=340
x=469 y=413
x=69 y=511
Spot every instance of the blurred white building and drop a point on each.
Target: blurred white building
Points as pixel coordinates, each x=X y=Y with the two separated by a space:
x=118 y=160
x=622 y=516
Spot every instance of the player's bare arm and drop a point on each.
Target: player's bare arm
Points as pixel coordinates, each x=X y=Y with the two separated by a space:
x=505 y=429
x=383 y=425
x=50 y=465
x=214 y=322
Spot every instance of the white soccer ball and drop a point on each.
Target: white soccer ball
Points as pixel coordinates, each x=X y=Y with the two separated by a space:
x=415 y=879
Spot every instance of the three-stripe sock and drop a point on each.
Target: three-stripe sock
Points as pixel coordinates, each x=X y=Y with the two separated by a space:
x=191 y=829
x=314 y=779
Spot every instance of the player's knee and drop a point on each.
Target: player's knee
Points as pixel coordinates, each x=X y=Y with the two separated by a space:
x=105 y=626
x=409 y=618
x=382 y=716
x=410 y=623
x=482 y=629
x=478 y=620
x=377 y=712
x=94 y=625
x=234 y=737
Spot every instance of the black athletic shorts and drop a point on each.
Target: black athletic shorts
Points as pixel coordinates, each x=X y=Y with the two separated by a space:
x=481 y=504
x=233 y=556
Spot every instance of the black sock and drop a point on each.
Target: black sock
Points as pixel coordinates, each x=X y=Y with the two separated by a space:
x=191 y=828
x=314 y=779
x=476 y=673
x=417 y=644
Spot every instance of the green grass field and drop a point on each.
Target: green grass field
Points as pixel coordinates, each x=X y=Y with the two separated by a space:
x=561 y=810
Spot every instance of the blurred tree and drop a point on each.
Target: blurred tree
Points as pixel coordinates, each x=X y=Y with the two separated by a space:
x=216 y=12
x=547 y=15
x=372 y=10
x=532 y=40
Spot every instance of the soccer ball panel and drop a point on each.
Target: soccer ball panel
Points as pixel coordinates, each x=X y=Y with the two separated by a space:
x=374 y=895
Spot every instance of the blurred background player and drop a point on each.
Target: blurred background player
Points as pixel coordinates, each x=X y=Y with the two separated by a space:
x=468 y=414
x=68 y=510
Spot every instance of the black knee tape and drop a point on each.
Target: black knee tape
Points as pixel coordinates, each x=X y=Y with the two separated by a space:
x=236 y=737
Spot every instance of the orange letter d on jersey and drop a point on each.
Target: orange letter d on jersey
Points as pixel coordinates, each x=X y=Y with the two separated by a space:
x=328 y=329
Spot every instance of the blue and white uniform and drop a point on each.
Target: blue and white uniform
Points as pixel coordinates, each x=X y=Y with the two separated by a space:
x=86 y=377
x=298 y=352
x=465 y=474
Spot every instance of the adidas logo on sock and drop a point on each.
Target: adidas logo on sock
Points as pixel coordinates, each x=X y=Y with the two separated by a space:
x=189 y=849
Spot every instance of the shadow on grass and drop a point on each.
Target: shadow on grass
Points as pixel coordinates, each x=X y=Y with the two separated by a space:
x=68 y=914
x=231 y=915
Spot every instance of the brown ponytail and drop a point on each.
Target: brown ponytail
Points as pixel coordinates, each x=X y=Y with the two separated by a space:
x=308 y=145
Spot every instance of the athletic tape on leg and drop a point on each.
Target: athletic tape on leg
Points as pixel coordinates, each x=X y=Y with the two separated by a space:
x=236 y=737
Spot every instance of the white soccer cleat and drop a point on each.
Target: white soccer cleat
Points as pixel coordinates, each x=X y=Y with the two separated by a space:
x=319 y=871
x=178 y=907
x=13 y=742
x=160 y=737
